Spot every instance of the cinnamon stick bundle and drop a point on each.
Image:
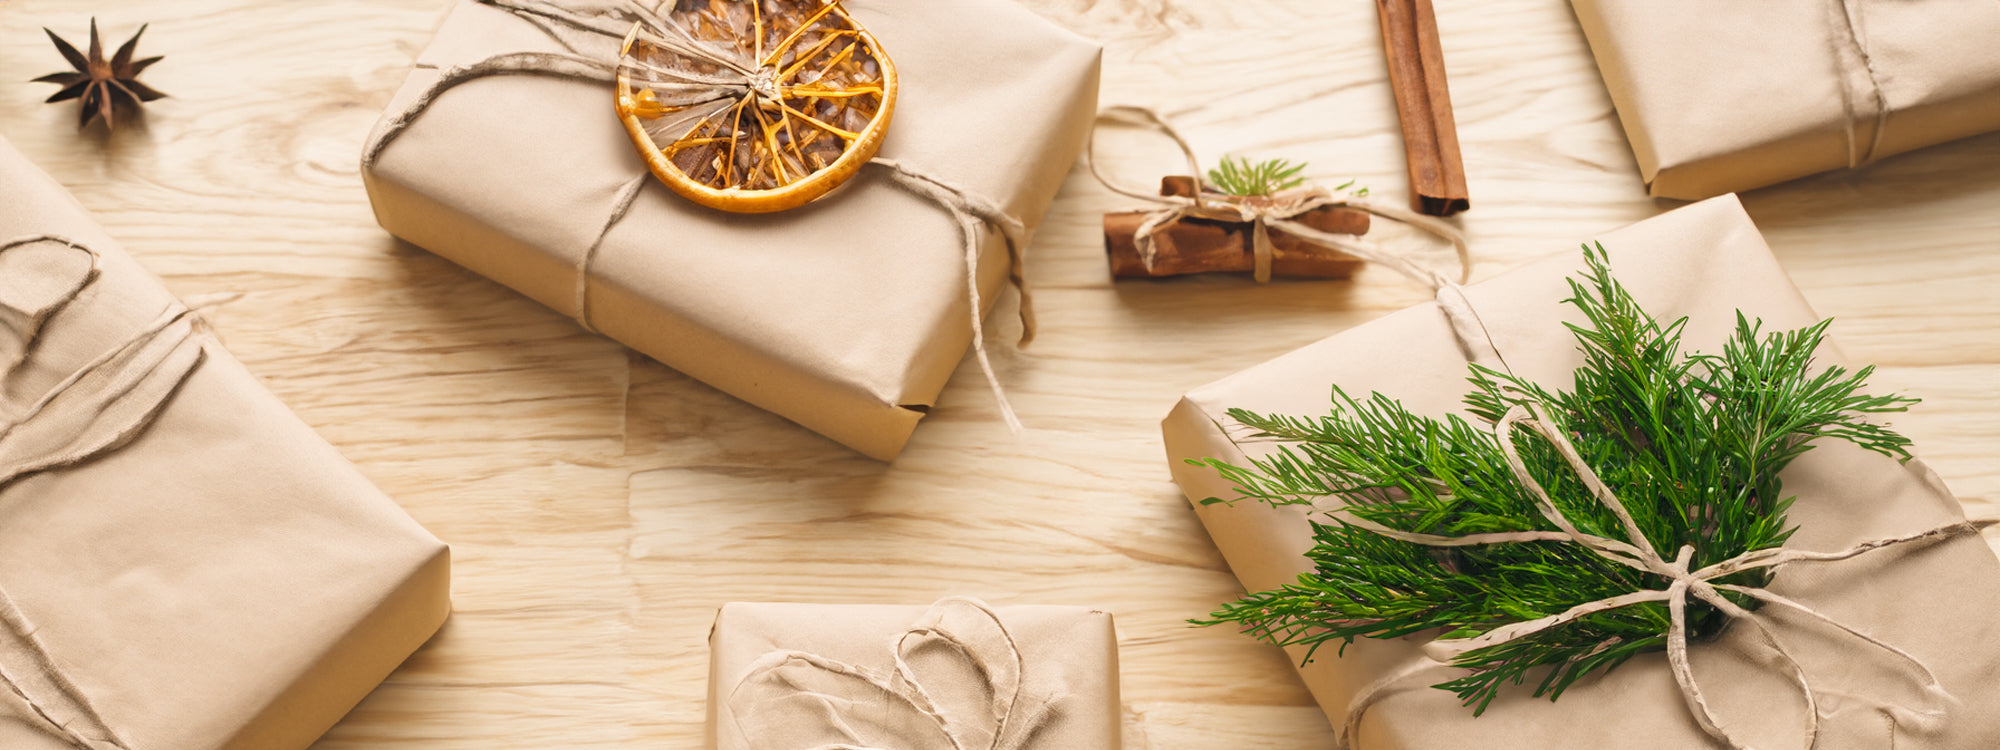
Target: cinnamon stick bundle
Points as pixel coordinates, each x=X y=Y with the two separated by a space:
x=1192 y=245
x=1423 y=103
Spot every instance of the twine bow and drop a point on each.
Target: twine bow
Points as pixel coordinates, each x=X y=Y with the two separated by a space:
x=1265 y=213
x=608 y=26
x=96 y=409
x=1637 y=552
x=793 y=700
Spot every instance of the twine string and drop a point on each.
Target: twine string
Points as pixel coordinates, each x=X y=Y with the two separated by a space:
x=1861 y=97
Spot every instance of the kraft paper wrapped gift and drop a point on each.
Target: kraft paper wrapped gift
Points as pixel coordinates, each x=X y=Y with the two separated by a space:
x=846 y=315
x=807 y=676
x=184 y=565
x=1941 y=603
x=1718 y=96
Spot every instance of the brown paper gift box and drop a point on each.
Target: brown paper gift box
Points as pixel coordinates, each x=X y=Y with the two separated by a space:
x=1705 y=262
x=1719 y=95
x=845 y=316
x=223 y=580
x=1069 y=654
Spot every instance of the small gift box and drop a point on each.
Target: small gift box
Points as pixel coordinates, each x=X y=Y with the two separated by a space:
x=956 y=675
x=183 y=563
x=1718 y=96
x=846 y=315
x=1936 y=602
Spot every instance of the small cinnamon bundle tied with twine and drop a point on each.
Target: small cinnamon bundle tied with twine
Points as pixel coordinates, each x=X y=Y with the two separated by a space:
x=1262 y=218
x=1221 y=239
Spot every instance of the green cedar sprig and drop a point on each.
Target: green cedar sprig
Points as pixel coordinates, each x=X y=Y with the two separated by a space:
x=1692 y=444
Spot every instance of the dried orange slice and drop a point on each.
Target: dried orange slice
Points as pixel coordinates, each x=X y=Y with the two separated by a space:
x=754 y=106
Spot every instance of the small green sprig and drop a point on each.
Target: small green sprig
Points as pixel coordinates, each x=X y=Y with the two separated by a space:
x=1244 y=177
x=1692 y=444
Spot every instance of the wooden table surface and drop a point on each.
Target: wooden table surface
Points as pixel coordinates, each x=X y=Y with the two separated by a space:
x=601 y=507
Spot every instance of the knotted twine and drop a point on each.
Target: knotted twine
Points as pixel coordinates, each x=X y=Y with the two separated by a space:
x=1635 y=551
x=1013 y=715
x=619 y=20
x=94 y=410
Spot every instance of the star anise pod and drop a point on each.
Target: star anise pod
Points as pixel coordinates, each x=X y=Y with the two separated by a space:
x=103 y=86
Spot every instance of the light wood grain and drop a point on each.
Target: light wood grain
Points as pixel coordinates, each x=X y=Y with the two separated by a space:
x=601 y=507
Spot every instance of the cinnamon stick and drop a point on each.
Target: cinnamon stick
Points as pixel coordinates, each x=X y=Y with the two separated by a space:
x=1423 y=103
x=1208 y=246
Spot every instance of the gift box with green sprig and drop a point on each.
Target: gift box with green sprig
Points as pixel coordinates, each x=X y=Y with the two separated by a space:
x=1659 y=515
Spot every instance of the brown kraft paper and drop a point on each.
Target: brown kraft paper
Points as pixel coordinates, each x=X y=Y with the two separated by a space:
x=846 y=315
x=1705 y=262
x=1047 y=676
x=1719 y=96
x=224 y=580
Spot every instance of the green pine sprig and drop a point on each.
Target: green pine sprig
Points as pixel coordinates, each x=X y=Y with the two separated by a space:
x=1692 y=444
x=1244 y=177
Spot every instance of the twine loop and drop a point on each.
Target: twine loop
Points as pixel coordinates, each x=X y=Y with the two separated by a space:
x=94 y=410
x=786 y=691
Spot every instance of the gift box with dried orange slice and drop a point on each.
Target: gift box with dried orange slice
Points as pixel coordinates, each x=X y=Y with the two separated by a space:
x=747 y=192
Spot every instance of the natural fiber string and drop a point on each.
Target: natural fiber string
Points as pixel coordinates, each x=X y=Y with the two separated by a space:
x=968 y=209
x=620 y=205
x=551 y=64
x=1017 y=717
x=971 y=211
x=1850 y=41
x=150 y=365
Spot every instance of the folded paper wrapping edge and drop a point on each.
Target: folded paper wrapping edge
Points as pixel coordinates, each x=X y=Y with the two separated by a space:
x=1265 y=546
x=1689 y=163
x=371 y=644
x=362 y=651
x=742 y=632
x=873 y=418
x=372 y=649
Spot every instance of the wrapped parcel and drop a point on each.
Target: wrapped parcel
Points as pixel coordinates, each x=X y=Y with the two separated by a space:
x=846 y=315
x=183 y=563
x=956 y=674
x=1719 y=96
x=1703 y=262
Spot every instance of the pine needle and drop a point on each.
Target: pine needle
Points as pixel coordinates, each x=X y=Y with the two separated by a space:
x=1243 y=177
x=1691 y=443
